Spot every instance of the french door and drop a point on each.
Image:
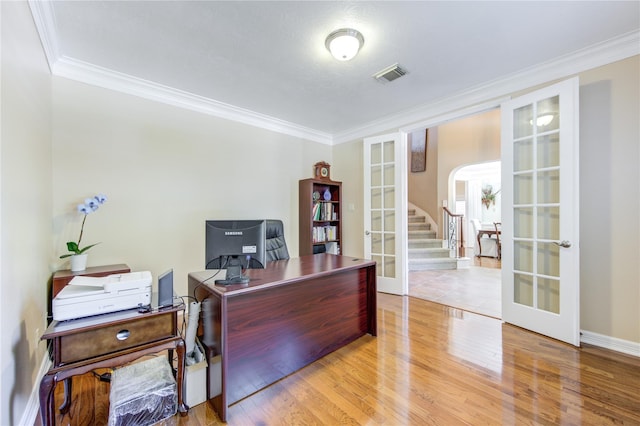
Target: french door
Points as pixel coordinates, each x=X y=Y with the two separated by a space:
x=385 y=202
x=540 y=228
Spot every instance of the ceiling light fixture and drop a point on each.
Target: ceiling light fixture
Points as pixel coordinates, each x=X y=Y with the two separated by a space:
x=344 y=43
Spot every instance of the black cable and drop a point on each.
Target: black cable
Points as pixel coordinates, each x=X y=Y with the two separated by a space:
x=226 y=260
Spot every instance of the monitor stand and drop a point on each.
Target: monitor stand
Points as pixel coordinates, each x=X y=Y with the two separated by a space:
x=234 y=273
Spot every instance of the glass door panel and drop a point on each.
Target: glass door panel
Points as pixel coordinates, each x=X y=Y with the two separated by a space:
x=385 y=193
x=540 y=268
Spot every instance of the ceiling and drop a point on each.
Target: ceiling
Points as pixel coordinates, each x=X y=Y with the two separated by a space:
x=265 y=62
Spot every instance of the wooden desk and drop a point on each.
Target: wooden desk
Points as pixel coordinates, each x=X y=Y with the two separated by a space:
x=109 y=340
x=290 y=314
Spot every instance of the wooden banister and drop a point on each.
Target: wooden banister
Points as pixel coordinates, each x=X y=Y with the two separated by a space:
x=453 y=231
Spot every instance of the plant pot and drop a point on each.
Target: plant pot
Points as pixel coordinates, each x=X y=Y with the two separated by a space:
x=78 y=262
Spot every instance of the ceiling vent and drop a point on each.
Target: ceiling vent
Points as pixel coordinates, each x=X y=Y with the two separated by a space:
x=390 y=73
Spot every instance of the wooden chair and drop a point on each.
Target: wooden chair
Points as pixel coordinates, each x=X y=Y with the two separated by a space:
x=485 y=245
x=498 y=226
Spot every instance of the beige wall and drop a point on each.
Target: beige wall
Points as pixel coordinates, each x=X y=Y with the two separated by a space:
x=421 y=186
x=470 y=140
x=610 y=200
x=165 y=171
x=25 y=201
x=349 y=170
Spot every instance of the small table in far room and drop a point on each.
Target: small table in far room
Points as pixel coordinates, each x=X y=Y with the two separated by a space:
x=110 y=340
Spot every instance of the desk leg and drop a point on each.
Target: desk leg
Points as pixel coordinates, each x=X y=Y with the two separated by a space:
x=47 y=384
x=183 y=409
x=66 y=404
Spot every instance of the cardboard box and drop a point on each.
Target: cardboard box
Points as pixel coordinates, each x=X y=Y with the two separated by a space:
x=196 y=381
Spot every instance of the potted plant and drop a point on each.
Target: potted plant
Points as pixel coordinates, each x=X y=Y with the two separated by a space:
x=488 y=196
x=76 y=253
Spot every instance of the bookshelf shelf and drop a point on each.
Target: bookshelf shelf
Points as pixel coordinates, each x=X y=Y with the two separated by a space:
x=320 y=216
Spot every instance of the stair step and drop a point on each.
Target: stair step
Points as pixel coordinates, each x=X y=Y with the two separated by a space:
x=422 y=235
x=417 y=219
x=432 y=264
x=417 y=243
x=420 y=226
x=428 y=253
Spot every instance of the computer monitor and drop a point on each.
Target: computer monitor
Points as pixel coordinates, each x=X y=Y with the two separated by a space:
x=235 y=245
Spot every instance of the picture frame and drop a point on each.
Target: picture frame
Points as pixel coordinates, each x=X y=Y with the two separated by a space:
x=419 y=153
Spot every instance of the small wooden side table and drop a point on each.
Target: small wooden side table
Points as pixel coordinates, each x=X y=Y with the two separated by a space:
x=110 y=340
x=60 y=280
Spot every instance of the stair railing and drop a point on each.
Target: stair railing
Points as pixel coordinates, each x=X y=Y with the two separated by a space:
x=452 y=231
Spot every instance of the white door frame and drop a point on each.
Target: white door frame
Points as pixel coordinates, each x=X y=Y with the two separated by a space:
x=399 y=283
x=556 y=249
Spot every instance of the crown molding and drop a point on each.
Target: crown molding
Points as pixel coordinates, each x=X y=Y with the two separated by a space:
x=449 y=107
x=45 y=21
x=102 y=77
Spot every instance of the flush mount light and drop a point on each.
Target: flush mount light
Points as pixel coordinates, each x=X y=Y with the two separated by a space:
x=344 y=43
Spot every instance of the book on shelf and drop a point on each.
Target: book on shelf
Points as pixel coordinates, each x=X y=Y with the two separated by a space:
x=324 y=211
x=324 y=233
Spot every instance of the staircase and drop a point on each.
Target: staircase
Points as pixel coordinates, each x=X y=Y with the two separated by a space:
x=425 y=251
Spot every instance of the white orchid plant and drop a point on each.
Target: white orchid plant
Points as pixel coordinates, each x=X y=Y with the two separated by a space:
x=90 y=205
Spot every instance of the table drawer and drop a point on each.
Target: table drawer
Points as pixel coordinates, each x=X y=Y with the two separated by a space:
x=105 y=340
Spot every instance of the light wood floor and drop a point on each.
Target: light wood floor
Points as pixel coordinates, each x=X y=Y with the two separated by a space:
x=430 y=364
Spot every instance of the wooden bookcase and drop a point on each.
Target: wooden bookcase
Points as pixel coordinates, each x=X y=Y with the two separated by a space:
x=320 y=219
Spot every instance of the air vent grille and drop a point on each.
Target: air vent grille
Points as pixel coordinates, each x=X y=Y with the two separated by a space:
x=390 y=73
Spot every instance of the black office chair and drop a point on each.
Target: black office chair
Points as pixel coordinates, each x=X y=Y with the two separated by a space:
x=276 y=244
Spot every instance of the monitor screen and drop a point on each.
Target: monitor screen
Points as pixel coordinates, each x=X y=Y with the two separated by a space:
x=235 y=245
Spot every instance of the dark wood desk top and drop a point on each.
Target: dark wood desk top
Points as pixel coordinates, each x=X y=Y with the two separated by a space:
x=281 y=272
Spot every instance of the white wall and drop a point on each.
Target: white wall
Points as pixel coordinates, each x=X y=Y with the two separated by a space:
x=25 y=200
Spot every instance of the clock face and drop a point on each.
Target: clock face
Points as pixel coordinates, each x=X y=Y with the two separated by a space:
x=324 y=172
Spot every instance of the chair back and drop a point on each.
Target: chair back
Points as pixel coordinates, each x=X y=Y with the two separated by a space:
x=276 y=244
x=476 y=226
x=498 y=226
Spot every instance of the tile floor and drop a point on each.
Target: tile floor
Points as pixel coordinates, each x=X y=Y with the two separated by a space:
x=476 y=289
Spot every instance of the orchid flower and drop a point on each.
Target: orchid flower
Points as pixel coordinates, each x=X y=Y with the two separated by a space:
x=90 y=205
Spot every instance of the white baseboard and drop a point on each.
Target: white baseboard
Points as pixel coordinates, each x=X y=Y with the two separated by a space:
x=33 y=404
x=613 y=343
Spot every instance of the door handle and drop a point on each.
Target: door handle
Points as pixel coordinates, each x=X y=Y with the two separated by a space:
x=367 y=232
x=563 y=243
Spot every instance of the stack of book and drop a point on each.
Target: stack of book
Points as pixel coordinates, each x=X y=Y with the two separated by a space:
x=324 y=211
x=324 y=233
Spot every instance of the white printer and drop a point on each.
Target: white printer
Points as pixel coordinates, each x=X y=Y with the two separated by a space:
x=87 y=296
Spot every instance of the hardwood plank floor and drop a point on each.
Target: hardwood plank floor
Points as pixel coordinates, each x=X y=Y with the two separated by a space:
x=430 y=364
